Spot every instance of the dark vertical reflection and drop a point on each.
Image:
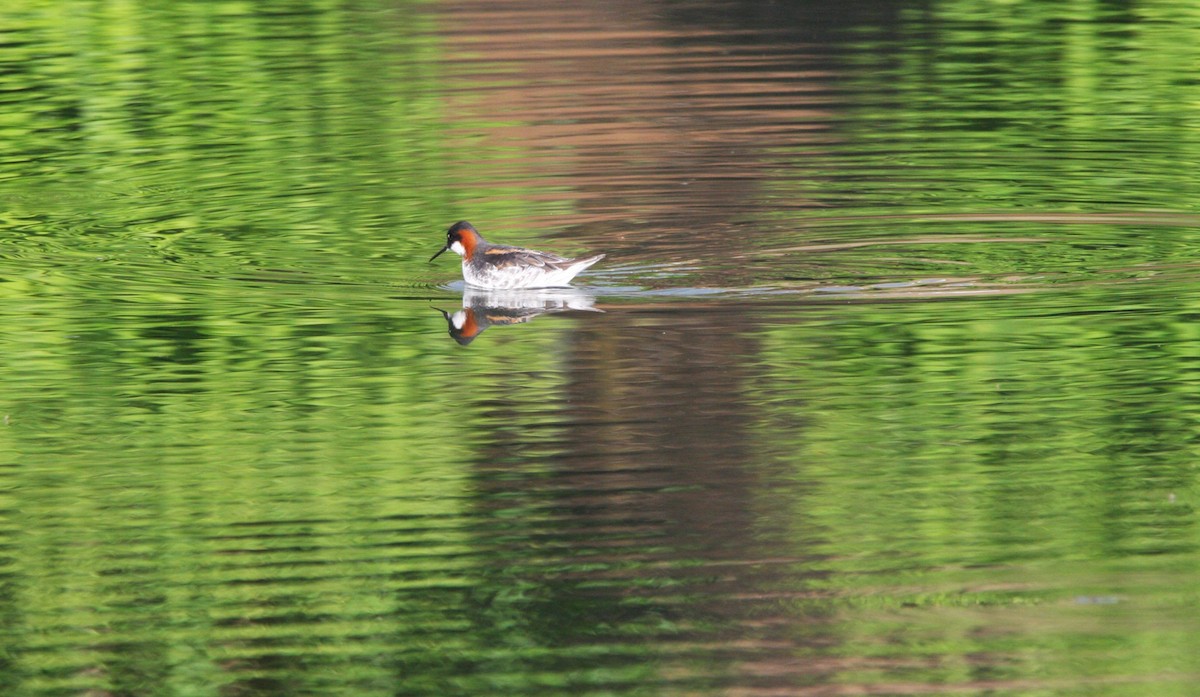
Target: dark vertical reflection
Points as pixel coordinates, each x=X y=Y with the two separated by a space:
x=819 y=23
x=670 y=127
x=643 y=518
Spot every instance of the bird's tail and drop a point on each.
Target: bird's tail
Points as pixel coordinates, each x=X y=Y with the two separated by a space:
x=584 y=263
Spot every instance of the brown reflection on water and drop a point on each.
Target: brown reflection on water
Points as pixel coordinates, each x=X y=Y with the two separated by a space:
x=644 y=508
x=658 y=128
x=637 y=508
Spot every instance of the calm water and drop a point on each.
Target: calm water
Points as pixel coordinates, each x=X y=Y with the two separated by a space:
x=889 y=384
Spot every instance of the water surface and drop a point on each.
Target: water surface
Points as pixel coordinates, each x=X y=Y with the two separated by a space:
x=886 y=385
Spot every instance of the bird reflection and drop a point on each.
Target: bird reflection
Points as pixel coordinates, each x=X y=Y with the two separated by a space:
x=482 y=309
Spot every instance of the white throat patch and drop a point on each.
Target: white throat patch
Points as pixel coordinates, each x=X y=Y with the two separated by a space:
x=458 y=248
x=458 y=319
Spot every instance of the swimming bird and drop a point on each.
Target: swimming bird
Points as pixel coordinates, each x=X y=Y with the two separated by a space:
x=499 y=266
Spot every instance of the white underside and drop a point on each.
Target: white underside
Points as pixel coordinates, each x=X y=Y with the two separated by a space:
x=526 y=277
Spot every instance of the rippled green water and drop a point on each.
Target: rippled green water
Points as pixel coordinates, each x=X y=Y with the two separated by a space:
x=888 y=384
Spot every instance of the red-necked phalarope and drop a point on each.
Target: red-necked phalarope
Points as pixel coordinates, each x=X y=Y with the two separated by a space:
x=498 y=266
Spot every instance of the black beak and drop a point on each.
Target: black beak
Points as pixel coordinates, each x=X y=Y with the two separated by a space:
x=435 y=256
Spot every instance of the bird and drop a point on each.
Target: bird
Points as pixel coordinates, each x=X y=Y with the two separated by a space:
x=501 y=267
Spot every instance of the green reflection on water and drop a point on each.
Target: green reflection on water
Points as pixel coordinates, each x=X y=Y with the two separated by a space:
x=1093 y=114
x=1006 y=115
x=239 y=458
x=1010 y=479
x=223 y=135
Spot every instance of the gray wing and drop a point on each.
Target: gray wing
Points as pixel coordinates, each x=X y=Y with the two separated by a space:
x=504 y=256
